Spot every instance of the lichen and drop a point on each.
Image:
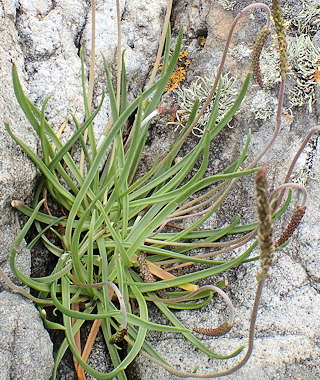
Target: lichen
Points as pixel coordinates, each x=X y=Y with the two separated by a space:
x=199 y=89
x=240 y=50
x=179 y=74
x=228 y=5
x=305 y=63
x=307 y=20
x=303 y=55
x=305 y=162
x=304 y=69
x=269 y=63
x=262 y=105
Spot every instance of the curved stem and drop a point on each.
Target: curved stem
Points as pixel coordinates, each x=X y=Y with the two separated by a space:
x=184 y=213
x=302 y=146
x=189 y=205
x=225 y=51
x=20 y=290
x=277 y=128
x=290 y=185
x=220 y=330
x=222 y=196
x=240 y=243
x=117 y=292
x=234 y=368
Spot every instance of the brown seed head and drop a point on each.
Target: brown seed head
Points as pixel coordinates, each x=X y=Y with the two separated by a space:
x=257 y=49
x=265 y=223
x=216 y=331
x=281 y=35
x=292 y=226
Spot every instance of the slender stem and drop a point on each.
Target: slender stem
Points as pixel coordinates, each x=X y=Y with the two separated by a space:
x=161 y=43
x=302 y=146
x=20 y=290
x=193 y=245
x=185 y=211
x=231 y=370
x=117 y=292
x=197 y=291
x=198 y=199
x=240 y=243
x=290 y=185
x=215 y=204
x=295 y=159
x=277 y=128
x=225 y=51
x=119 y=63
x=91 y=76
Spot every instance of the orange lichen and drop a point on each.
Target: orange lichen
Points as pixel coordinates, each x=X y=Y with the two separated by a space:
x=177 y=77
x=202 y=41
x=179 y=74
x=183 y=54
x=288 y=117
x=316 y=75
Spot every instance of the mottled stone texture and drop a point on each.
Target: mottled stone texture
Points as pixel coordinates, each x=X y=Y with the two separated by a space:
x=43 y=38
x=25 y=348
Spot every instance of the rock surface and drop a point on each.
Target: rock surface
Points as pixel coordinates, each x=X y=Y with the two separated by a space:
x=43 y=39
x=286 y=345
x=25 y=348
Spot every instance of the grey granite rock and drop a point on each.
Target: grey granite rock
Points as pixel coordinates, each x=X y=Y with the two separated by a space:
x=25 y=347
x=287 y=343
x=43 y=39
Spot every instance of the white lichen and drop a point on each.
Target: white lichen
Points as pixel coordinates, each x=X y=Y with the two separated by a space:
x=263 y=105
x=200 y=89
x=307 y=21
x=305 y=61
x=303 y=22
x=228 y=5
x=304 y=64
x=305 y=163
x=241 y=50
x=269 y=65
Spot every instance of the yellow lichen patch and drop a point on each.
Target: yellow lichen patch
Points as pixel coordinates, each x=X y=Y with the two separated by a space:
x=172 y=118
x=179 y=74
x=316 y=75
x=288 y=117
x=183 y=54
x=202 y=41
x=177 y=77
